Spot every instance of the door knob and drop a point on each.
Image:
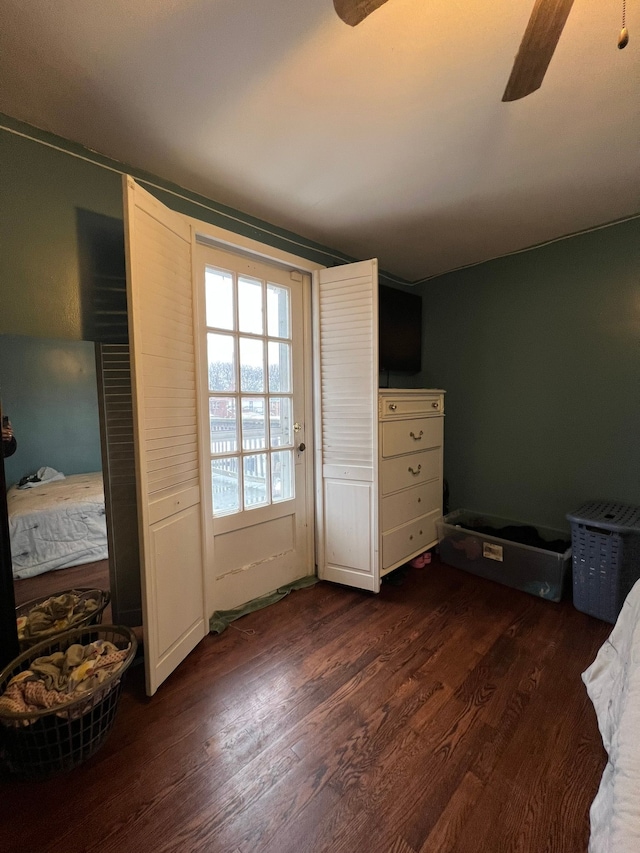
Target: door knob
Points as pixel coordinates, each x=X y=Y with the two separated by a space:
x=302 y=447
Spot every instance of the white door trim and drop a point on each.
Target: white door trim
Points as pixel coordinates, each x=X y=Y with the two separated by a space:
x=221 y=238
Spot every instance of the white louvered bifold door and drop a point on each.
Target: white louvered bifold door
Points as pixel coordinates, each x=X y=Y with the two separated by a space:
x=163 y=368
x=346 y=327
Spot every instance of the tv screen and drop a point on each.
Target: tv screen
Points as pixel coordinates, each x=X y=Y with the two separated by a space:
x=400 y=330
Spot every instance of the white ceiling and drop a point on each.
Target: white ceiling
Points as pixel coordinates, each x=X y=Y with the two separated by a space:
x=389 y=139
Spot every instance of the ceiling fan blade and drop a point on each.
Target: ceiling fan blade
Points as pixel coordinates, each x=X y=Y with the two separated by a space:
x=536 y=48
x=352 y=12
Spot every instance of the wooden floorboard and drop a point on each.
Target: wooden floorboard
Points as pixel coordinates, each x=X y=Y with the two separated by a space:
x=445 y=715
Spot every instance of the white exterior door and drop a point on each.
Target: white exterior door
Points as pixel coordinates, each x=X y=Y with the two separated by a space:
x=163 y=368
x=346 y=349
x=255 y=341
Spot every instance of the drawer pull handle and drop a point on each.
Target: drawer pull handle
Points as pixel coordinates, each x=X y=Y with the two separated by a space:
x=393 y=407
x=419 y=500
x=416 y=437
x=414 y=471
x=411 y=537
x=421 y=533
x=434 y=405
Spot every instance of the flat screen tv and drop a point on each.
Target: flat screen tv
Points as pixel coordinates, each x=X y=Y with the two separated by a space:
x=400 y=330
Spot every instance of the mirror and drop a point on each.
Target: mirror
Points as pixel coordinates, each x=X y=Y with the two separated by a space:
x=70 y=405
x=55 y=492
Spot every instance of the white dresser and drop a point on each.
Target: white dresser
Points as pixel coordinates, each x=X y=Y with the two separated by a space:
x=410 y=447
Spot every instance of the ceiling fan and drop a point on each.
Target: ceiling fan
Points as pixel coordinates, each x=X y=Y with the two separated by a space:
x=536 y=48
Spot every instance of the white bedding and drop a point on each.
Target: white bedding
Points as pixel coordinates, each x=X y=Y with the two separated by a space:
x=57 y=525
x=613 y=684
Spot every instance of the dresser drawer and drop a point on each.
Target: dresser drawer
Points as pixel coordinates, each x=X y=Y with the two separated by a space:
x=416 y=536
x=402 y=472
x=395 y=405
x=404 y=506
x=408 y=436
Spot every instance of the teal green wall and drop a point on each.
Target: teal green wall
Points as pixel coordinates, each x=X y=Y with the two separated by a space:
x=540 y=355
x=48 y=389
x=40 y=190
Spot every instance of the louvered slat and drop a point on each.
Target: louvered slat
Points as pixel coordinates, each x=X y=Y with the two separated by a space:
x=347 y=343
x=118 y=463
x=167 y=341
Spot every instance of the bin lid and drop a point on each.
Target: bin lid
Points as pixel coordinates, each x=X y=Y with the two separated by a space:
x=617 y=517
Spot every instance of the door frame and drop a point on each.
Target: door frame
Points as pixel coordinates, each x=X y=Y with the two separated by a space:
x=216 y=237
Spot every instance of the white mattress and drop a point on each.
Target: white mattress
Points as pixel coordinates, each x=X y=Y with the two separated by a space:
x=613 y=684
x=57 y=525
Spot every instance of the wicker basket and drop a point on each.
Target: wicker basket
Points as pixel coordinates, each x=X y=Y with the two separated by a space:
x=37 y=744
x=102 y=596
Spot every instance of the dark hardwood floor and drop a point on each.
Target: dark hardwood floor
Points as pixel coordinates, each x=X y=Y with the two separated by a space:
x=445 y=714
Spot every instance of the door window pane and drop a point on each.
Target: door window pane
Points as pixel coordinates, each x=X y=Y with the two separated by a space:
x=279 y=367
x=251 y=365
x=249 y=351
x=250 y=310
x=219 y=298
x=282 y=475
x=225 y=486
x=278 y=323
x=280 y=421
x=256 y=489
x=223 y=425
x=254 y=430
x=222 y=362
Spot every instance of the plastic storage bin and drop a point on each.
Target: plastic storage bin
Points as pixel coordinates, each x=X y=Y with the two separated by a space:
x=535 y=570
x=605 y=539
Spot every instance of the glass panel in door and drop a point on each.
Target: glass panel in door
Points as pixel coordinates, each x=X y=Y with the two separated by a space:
x=250 y=381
